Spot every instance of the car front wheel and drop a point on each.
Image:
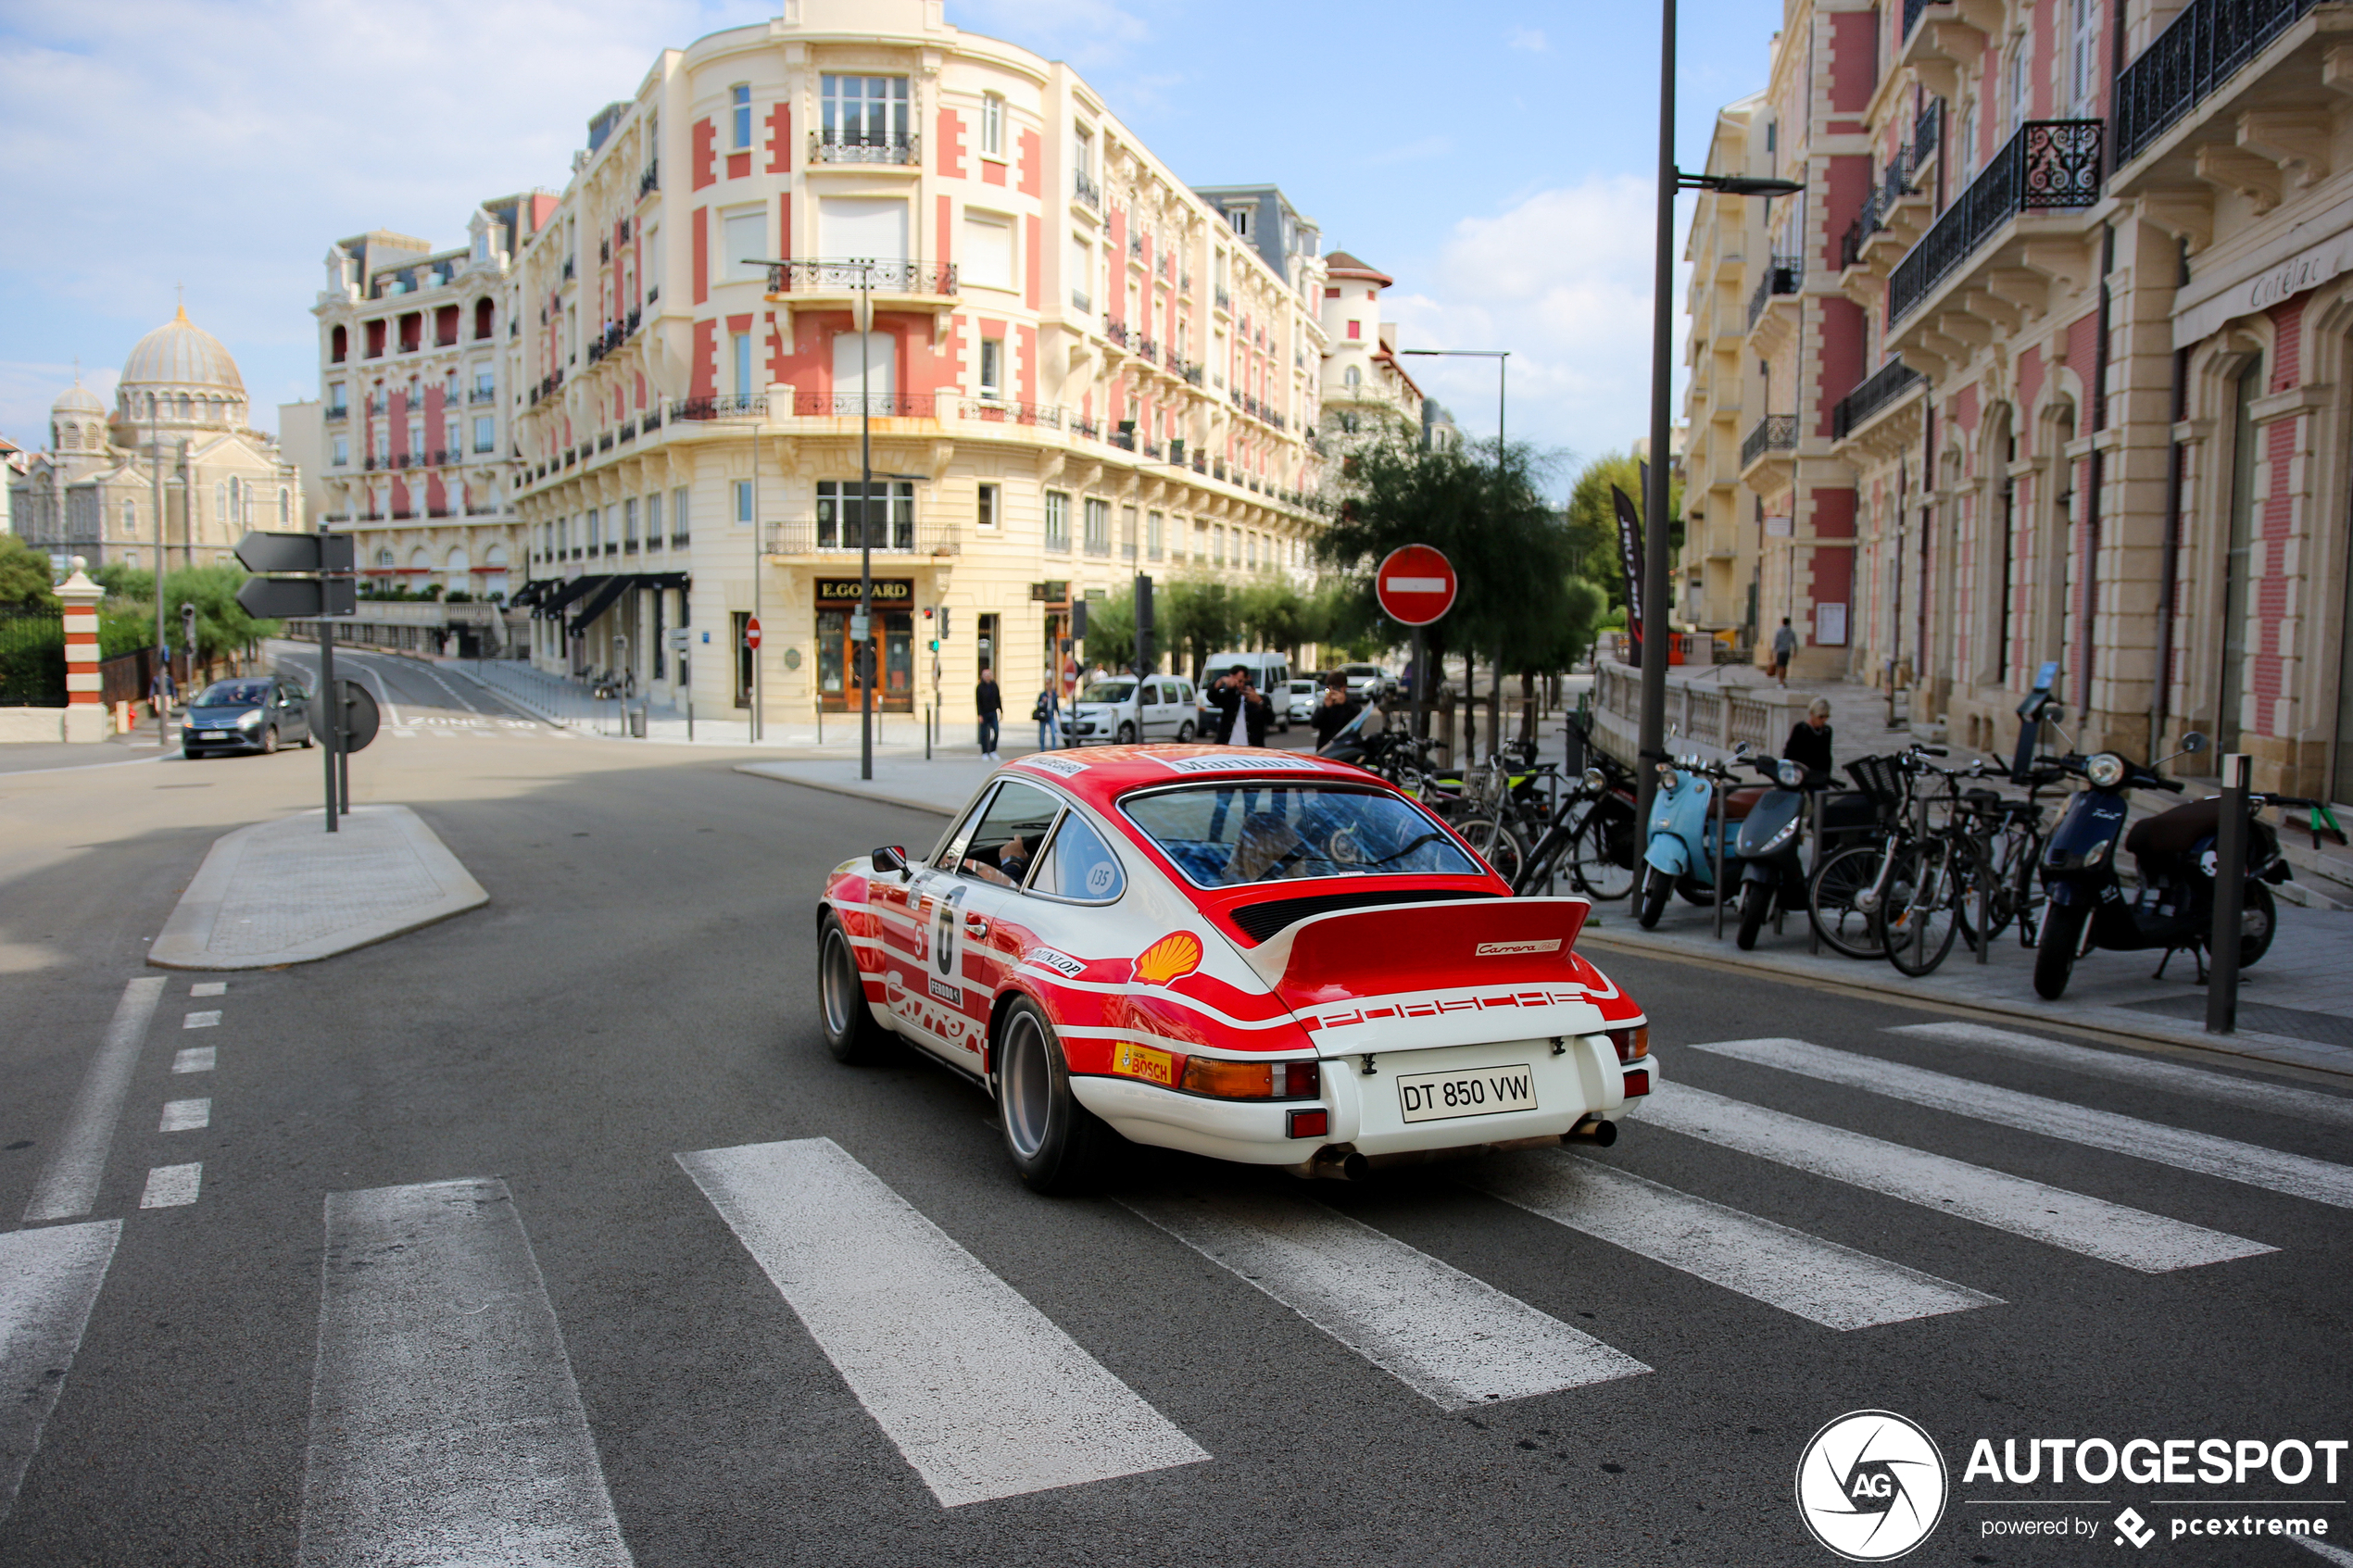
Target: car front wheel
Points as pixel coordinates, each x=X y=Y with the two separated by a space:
x=851 y=1033
x=270 y=740
x=1057 y=1145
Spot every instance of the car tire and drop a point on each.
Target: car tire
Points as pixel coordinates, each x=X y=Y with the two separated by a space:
x=1127 y=734
x=270 y=741
x=851 y=1035
x=1757 y=900
x=1183 y=732
x=2055 y=951
x=1656 y=888
x=308 y=738
x=1057 y=1145
x=189 y=754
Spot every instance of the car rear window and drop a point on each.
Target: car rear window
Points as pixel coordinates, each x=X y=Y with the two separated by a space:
x=233 y=694
x=1232 y=835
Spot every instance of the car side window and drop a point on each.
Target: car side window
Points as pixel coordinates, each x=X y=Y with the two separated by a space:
x=952 y=846
x=1011 y=833
x=1078 y=865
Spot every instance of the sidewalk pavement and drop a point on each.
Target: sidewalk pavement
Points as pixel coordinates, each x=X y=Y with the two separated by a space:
x=288 y=892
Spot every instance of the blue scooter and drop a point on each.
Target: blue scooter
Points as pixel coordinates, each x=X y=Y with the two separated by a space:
x=1679 y=857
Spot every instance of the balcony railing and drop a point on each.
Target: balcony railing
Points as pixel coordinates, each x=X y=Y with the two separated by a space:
x=1781 y=276
x=1774 y=432
x=900 y=535
x=1225 y=301
x=866 y=146
x=2204 y=47
x=335 y=414
x=850 y=274
x=2049 y=164
x=990 y=410
x=872 y=405
x=1117 y=330
x=651 y=180
x=736 y=405
x=1893 y=186
x=1884 y=386
x=1085 y=189
x=1914 y=9
x=1146 y=349
x=482 y=395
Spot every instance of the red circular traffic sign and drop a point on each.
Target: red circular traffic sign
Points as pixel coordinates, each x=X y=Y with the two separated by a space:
x=1416 y=585
x=752 y=634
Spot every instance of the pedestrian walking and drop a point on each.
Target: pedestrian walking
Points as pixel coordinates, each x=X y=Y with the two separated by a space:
x=1809 y=738
x=1784 y=645
x=1048 y=712
x=991 y=705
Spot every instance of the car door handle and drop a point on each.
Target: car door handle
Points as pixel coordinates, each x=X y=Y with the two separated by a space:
x=976 y=926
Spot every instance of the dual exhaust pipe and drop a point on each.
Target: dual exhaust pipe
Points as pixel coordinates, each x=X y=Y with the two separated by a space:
x=1342 y=1163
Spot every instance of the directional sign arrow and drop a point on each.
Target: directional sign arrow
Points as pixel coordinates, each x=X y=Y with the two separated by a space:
x=296 y=552
x=296 y=598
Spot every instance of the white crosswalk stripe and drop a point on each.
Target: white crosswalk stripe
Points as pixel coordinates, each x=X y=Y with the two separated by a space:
x=49 y=1280
x=1455 y=1339
x=2296 y=1174
x=1822 y=1281
x=984 y=1395
x=445 y=1424
x=2279 y=1099
x=2093 y=1227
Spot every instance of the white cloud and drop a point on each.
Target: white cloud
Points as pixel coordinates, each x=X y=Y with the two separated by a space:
x=1562 y=279
x=1529 y=39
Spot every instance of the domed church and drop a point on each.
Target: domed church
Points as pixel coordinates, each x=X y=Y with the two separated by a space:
x=180 y=404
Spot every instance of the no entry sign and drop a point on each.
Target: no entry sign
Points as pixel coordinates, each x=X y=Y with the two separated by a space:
x=1416 y=585
x=751 y=633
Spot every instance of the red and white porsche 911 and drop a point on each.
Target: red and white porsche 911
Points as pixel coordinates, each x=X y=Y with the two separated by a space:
x=1252 y=955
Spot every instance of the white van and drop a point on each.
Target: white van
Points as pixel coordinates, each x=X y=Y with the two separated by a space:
x=1122 y=709
x=1270 y=672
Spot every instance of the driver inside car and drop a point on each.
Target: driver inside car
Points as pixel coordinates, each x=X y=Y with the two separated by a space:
x=1262 y=853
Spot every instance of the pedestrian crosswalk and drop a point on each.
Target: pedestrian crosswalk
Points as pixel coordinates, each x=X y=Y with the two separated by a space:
x=446 y=1423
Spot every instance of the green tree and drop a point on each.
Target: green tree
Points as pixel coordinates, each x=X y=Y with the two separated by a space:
x=1111 y=630
x=1273 y=615
x=24 y=575
x=1197 y=617
x=1592 y=519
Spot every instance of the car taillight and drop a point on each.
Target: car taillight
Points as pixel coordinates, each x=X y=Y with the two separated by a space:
x=1638 y=1081
x=1632 y=1044
x=1316 y=1123
x=1221 y=1079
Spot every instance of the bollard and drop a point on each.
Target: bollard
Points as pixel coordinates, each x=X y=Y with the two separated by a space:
x=1821 y=852
x=1716 y=847
x=2230 y=898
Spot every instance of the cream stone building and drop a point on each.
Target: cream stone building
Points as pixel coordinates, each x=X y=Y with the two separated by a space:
x=1075 y=370
x=181 y=405
x=1365 y=390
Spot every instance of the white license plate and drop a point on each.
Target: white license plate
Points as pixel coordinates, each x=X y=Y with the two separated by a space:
x=1477 y=1091
x=212 y=735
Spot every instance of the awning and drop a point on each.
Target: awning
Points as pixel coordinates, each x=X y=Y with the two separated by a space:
x=529 y=593
x=557 y=594
x=607 y=590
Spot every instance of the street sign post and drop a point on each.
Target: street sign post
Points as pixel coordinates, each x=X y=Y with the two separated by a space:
x=751 y=633
x=681 y=639
x=1415 y=584
x=316 y=582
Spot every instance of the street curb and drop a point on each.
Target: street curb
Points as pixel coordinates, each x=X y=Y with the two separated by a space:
x=2105 y=1026
x=760 y=770
x=188 y=936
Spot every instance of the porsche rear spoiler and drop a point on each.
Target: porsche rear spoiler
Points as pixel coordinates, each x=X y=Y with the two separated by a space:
x=1420 y=947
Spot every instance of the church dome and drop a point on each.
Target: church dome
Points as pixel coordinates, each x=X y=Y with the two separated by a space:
x=181 y=354
x=77 y=399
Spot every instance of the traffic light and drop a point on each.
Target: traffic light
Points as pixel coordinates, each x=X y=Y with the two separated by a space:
x=943 y=623
x=1078 y=619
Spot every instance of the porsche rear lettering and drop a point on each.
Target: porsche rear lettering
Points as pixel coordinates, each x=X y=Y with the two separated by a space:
x=1500 y=949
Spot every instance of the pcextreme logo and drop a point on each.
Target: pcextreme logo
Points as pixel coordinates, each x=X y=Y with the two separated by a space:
x=1870 y=1486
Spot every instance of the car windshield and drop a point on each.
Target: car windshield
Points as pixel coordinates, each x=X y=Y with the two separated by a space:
x=1109 y=691
x=1229 y=834
x=1360 y=671
x=234 y=694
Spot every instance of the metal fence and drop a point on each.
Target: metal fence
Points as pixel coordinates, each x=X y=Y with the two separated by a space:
x=33 y=659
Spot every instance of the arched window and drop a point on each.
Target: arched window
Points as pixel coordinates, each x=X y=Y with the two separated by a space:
x=1354 y=377
x=338 y=345
x=186 y=407
x=383 y=559
x=220 y=500
x=236 y=499
x=484 y=316
x=130 y=521
x=285 y=507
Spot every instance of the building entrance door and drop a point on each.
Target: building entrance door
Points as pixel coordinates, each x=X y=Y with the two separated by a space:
x=890 y=662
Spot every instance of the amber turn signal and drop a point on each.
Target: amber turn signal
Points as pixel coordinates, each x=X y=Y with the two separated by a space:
x=1632 y=1044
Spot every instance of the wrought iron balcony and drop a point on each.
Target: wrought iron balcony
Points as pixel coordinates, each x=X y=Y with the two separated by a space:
x=1117 y=330
x=1087 y=427
x=736 y=406
x=1083 y=189
x=1149 y=350
x=2048 y=165
x=851 y=274
x=1225 y=301
x=1774 y=432
x=872 y=405
x=1914 y=10
x=1782 y=276
x=990 y=410
x=1893 y=186
x=1136 y=244
x=482 y=395
x=2204 y=46
x=651 y=180
x=866 y=146
x=335 y=414
x=1192 y=373
x=900 y=535
x=1884 y=386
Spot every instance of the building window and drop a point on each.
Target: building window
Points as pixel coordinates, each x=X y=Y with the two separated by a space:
x=988 y=259
x=985 y=513
x=653 y=520
x=1353 y=377
x=864 y=111
x=1154 y=535
x=888 y=518
x=1057 y=521
x=629 y=526
x=2087 y=57
x=338 y=399
x=285 y=507
x=744 y=233
x=1238 y=218
x=1098 y=527
x=343 y=451
x=486 y=432
x=1355 y=329
x=992 y=125
x=1082 y=152
x=739 y=101
x=992 y=366
x=743 y=364
x=678 y=520
x=596 y=531
x=743 y=502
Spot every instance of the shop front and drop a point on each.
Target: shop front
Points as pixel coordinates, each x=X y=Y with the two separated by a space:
x=891 y=645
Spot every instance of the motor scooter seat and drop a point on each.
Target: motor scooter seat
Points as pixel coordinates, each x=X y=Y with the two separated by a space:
x=2171 y=834
x=1738 y=803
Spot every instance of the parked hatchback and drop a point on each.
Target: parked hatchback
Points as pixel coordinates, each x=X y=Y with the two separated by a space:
x=250 y=713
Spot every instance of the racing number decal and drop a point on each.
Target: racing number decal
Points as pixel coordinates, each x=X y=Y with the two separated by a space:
x=943 y=935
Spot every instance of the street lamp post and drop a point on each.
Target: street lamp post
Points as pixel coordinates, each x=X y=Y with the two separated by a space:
x=1652 y=735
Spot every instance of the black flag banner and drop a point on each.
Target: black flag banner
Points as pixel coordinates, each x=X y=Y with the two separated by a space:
x=1630 y=550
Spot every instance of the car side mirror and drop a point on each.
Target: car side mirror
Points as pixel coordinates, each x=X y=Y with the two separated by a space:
x=890 y=857
x=2192 y=743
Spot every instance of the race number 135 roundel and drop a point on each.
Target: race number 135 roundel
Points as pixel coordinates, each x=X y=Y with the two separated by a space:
x=1871 y=1485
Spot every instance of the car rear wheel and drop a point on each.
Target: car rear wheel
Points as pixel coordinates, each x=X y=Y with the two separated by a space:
x=1126 y=733
x=1058 y=1146
x=1185 y=732
x=851 y=1033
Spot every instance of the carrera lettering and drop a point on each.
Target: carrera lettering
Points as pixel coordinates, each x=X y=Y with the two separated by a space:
x=1501 y=949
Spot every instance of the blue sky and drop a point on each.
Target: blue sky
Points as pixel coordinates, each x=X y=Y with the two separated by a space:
x=1495 y=159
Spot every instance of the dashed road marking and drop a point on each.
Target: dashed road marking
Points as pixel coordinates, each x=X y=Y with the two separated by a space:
x=195 y=1059
x=49 y=1279
x=1456 y=1340
x=446 y=1426
x=185 y=1115
x=1836 y=1287
x=69 y=1184
x=209 y=988
x=201 y=1021
x=172 y=1186
x=1005 y=1403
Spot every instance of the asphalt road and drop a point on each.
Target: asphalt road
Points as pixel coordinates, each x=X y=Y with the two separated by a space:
x=641 y=988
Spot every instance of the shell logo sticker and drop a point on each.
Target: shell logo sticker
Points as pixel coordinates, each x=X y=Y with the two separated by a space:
x=1169 y=960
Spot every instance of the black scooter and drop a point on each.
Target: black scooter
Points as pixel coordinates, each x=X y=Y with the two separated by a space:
x=2089 y=907
x=1772 y=839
